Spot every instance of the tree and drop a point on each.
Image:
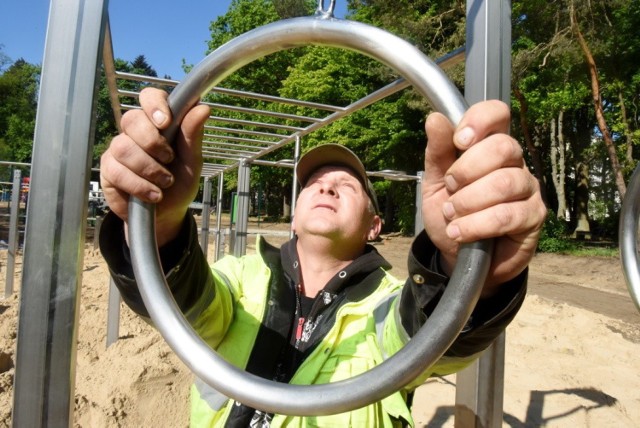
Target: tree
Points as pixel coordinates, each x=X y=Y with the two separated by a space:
x=569 y=139
x=263 y=76
x=4 y=59
x=18 y=102
x=553 y=41
x=597 y=101
x=293 y=8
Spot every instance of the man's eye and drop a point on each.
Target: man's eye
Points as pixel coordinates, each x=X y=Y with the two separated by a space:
x=350 y=186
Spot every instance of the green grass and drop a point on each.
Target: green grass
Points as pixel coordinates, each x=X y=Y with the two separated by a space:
x=586 y=251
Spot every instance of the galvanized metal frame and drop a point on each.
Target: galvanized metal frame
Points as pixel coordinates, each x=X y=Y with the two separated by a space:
x=480 y=387
x=54 y=250
x=224 y=152
x=44 y=383
x=14 y=235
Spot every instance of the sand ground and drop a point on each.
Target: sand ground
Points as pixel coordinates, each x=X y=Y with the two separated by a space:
x=572 y=353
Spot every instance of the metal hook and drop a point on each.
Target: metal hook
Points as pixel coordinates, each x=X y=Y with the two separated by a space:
x=326 y=13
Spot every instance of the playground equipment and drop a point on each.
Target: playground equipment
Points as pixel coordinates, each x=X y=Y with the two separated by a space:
x=53 y=254
x=442 y=327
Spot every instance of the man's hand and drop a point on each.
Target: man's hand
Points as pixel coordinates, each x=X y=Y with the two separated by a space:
x=142 y=163
x=477 y=186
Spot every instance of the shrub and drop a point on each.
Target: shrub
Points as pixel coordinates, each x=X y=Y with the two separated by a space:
x=554 y=237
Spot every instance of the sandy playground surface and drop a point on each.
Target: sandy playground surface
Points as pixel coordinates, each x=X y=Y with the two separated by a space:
x=572 y=353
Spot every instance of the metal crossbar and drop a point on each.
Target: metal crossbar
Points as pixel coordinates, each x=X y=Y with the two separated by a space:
x=228 y=141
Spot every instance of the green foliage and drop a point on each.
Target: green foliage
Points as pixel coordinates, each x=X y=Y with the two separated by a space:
x=386 y=135
x=553 y=238
x=18 y=100
x=583 y=251
x=4 y=59
x=548 y=68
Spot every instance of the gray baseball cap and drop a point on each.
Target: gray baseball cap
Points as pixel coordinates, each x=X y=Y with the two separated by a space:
x=335 y=155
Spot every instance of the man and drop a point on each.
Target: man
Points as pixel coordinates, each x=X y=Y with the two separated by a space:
x=322 y=307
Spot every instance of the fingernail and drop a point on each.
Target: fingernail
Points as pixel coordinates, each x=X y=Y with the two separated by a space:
x=159 y=117
x=464 y=137
x=448 y=210
x=153 y=196
x=453 y=231
x=166 y=156
x=165 y=181
x=450 y=183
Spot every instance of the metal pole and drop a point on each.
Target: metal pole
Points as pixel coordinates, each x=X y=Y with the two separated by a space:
x=294 y=185
x=14 y=236
x=113 y=314
x=419 y=224
x=206 y=208
x=219 y=236
x=54 y=240
x=242 y=215
x=480 y=387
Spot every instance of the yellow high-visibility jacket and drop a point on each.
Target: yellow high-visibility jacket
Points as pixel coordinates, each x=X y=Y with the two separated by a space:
x=237 y=304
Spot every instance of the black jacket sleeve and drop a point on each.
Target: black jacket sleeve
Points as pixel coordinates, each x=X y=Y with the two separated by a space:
x=424 y=288
x=183 y=263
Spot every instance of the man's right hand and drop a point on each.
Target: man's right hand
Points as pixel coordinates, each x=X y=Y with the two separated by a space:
x=140 y=162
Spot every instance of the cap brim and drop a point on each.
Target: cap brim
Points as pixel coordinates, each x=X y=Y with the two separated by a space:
x=326 y=155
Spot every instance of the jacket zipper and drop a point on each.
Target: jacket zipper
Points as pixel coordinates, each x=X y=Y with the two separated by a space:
x=301 y=319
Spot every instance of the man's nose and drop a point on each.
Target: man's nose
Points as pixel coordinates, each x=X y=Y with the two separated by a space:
x=328 y=187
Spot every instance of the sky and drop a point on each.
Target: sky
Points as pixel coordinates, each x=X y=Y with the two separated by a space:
x=164 y=31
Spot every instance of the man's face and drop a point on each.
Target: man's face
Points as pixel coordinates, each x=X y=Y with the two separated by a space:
x=334 y=204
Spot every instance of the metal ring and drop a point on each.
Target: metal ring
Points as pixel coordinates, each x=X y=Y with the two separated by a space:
x=628 y=234
x=429 y=343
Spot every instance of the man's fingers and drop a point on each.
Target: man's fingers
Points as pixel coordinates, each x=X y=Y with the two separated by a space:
x=118 y=179
x=440 y=152
x=154 y=104
x=508 y=218
x=501 y=186
x=493 y=153
x=480 y=121
x=132 y=157
x=138 y=128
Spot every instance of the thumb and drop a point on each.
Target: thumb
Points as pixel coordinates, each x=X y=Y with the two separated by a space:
x=440 y=153
x=189 y=145
x=193 y=123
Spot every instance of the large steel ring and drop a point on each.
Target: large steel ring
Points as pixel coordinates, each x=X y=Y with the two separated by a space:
x=629 y=234
x=441 y=329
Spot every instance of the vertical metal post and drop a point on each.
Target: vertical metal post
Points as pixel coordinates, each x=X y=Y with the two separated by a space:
x=219 y=236
x=419 y=224
x=206 y=217
x=294 y=185
x=14 y=235
x=480 y=387
x=242 y=215
x=113 y=313
x=54 y=240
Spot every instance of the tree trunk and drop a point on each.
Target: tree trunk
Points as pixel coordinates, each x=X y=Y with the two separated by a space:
x=597 y=103
x=583 y=229
x=286 y=206
x=538 y=166
x=388 y=207
x=627 y=128
x=558 y=167
x=581 y=195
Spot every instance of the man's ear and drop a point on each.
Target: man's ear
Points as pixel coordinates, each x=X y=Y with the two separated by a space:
x=376 y=227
